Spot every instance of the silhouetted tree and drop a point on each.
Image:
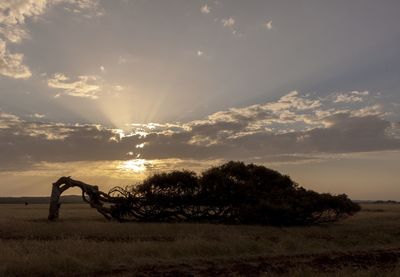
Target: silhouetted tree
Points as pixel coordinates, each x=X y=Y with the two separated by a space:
x=233 y=193
x=238 y=193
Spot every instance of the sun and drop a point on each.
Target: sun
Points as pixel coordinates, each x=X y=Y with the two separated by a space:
x=136 y=165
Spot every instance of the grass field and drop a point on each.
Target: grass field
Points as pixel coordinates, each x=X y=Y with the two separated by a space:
x=82 y=243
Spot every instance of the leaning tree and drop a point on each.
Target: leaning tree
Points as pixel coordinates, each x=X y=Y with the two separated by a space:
x=233 y=193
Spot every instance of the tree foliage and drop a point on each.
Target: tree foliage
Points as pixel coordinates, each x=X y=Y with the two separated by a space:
x=238 y=193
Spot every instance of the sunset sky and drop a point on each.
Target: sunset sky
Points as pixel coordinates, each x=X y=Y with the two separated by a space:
x=109 y=92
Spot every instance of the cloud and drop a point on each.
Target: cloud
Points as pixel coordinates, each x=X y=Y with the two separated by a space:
x=351 y=97
x=38 y=115
x=11 y=65
x=236 y=33
x=12 y=30
x=292 y=125
x=363 y=93
x=394 y=130
x=88 y=8
x=369 y=110
x=268 y=25
x=85 y=86
x=15 y=12
x=291 y=129
x=13 y=15
x=228 y=22
x=205 y=9
x=32 y=142
x=7 y=120
x=13 y=34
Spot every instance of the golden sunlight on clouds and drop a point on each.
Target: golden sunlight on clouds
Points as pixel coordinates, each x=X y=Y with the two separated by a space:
x=84 y=86
x=136 y=165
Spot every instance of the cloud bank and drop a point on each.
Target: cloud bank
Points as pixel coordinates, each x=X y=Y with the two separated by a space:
x=295 y=127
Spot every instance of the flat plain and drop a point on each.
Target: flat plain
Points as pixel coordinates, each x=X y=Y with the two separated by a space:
x=83 y=243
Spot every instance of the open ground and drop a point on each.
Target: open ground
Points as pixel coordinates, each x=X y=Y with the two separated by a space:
x=83 y=243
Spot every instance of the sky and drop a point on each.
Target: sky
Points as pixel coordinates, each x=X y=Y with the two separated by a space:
x=110 y=92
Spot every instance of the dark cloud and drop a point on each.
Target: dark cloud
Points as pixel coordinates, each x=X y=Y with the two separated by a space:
x=291 y=129
x=352 y=134
x=25 y=143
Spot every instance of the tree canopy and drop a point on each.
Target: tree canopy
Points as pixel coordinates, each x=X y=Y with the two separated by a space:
x=232 y=193
x=239 y=194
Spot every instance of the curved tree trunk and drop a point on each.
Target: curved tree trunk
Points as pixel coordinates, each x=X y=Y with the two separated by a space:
x=90 y=194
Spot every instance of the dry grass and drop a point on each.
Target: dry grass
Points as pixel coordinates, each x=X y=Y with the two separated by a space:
x=83 y=243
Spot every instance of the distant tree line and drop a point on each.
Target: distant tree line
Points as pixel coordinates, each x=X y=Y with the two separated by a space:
x=233 y=193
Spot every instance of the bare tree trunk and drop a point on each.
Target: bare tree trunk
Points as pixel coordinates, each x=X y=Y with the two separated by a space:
x=90 y=194
x=55 y=202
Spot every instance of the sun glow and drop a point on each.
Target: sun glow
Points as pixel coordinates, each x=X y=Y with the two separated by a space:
x=136 y=165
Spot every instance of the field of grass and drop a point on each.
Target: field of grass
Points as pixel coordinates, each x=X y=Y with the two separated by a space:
x=83 y=243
